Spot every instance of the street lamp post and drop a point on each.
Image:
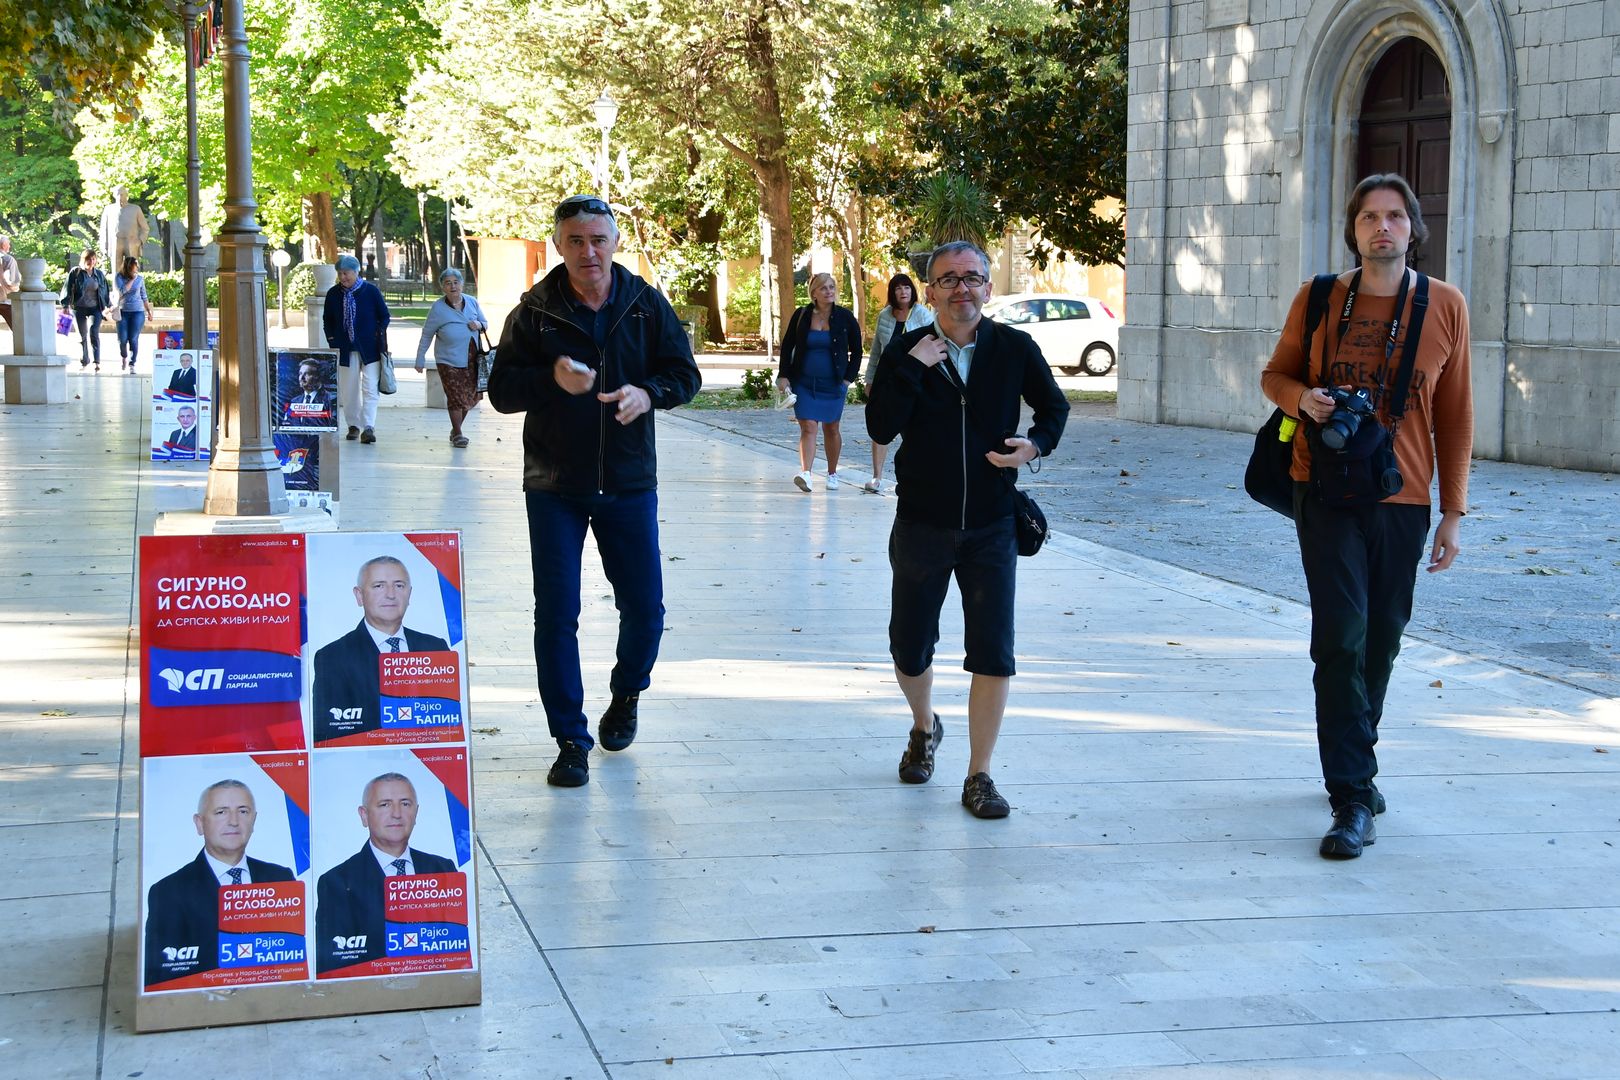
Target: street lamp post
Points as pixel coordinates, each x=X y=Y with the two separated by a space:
x=281 y=260
x=607 y=111
x=244 y=478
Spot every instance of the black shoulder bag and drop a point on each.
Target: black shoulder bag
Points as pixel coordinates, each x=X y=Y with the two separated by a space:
x=1361 y=468
x=1266 y=479
x=1029 y=523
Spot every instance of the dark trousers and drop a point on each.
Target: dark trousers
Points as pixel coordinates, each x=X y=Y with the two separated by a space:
x=626 y=530
x=89 y=323
x=1361 y=567
x=984 y=562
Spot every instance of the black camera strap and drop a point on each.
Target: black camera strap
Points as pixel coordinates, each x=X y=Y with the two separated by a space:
x=1403 y=374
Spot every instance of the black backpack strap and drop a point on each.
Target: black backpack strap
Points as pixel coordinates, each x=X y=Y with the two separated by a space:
x=1315 y=308
x=1403 y=377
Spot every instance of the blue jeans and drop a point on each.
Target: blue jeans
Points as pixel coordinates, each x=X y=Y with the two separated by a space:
x=626 y=528
x=129 y=331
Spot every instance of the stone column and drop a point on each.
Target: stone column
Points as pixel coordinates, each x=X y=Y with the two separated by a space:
x=315 y=305
x=36 y=375
x=244 y=478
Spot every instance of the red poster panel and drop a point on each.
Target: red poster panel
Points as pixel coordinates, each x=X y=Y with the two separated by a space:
x=221 y=631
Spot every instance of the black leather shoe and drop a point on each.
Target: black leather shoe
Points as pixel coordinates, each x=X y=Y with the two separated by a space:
x=917 y=763
x=1379 y=805
x=1353 y=829
x=368 y=436
x=980 y=796
x=354 y=433
x=572 y=767
x=617 y=728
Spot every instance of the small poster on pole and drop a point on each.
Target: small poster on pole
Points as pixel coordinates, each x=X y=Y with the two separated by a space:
x=182 y=404
x=305 y=390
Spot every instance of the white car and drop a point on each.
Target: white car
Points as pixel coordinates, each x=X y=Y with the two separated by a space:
x=1077 y=334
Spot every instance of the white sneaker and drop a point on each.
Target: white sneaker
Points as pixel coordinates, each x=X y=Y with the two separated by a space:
x=873 y=486
x=804 y=481
x=832 y=481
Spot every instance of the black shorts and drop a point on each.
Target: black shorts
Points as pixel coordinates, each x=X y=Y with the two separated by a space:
x=985 y=563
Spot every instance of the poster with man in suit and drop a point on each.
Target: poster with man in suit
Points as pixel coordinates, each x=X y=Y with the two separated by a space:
x=403 y=903
x=306 y=390
x=224 y=917
x=393 y=676
x=182 y=404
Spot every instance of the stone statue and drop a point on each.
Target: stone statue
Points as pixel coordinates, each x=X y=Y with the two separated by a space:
x=123 y=230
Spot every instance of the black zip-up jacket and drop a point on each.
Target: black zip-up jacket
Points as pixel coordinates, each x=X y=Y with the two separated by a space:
x=572 y=444
x=940 y=469
x=845 y=334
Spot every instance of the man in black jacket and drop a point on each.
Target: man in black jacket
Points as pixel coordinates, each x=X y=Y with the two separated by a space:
x=954 y=391
x=589 y=352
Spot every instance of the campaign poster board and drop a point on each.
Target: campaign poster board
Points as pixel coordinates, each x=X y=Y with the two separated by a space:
x=176 y=339
x=316 y=920
x=305 y=389
x=182 y=404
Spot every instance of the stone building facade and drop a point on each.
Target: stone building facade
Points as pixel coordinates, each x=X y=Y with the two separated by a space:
x=1251 y=121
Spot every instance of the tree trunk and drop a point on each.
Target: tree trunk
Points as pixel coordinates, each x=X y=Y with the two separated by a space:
x=320 y=230
x=770 y=168
x=707 y=296
x=435 y=265
x=854 y=245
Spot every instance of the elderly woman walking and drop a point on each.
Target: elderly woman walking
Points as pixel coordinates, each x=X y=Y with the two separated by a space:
x=356 y=321
x=453 y=325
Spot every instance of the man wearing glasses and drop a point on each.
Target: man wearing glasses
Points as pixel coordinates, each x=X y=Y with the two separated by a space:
x=954 y=391
x=588 y=353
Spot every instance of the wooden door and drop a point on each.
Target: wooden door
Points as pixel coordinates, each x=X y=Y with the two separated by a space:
x=1406 y=129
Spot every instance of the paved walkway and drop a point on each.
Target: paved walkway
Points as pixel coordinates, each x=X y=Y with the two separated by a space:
x=750 y=893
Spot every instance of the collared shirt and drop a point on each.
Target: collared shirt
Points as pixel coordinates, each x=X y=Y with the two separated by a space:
x=222 y=870
x=386 y=861
x=961 y=356
x=594 y=323
x=381 y=638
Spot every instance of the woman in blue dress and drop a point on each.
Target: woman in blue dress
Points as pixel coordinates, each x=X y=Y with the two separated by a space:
x=821 y=355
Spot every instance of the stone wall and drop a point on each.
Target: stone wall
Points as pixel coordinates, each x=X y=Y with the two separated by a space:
x=1236 y=171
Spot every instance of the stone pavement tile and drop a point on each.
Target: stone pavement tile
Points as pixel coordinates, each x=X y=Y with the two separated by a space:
x=50 y=1034
x=1372 y=1066
x=1430 y=1001
x=1571 y=1046
x=59 y=740
x=66 y=937
x=42 y=794
x=1333 y=1039
x=1074 y=1054
x=1127 y=1013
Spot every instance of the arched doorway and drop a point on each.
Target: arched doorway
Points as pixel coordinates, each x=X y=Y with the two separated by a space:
x=1406 y=128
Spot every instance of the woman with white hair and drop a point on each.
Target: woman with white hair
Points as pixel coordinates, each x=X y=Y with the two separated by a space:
x=453 y=325
x=356 y=321
x=821 y=355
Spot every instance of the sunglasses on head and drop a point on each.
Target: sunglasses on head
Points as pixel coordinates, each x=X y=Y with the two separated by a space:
x=582 y=204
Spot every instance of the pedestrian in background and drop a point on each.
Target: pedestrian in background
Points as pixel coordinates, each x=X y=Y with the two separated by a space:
x=453 y=324
x=821 y=355
x=134 y=308
x=356 y=322
x=903 y=312
x=87 y=294
x=10 y=277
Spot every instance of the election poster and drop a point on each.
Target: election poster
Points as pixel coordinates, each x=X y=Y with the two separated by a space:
x=176 y=339
x=393 y=861
x=300 y=458
x=387 y=649
x=225 y=866
x=305 y=390
x=221 y=637
x=182 y=405
x=306 y=825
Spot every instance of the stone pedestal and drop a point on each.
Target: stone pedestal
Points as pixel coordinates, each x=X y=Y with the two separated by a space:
x=315 y=306
x=35 y=374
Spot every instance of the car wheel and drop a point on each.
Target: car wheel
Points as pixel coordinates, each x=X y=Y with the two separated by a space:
x=1098 y=359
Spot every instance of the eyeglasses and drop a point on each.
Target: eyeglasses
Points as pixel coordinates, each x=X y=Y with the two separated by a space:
x=951 y=281
x=575 y=205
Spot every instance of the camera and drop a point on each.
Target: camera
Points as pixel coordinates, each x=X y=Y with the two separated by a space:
x=1349 y=410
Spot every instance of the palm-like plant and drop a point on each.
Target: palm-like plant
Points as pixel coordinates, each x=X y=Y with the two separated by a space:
x=952 y=207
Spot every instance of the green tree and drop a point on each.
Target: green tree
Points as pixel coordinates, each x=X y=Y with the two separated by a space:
x=81 y=50
x=39 y=182
x=1035 y=115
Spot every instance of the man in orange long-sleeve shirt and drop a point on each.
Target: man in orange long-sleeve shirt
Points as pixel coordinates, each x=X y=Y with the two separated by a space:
x=1361 y=560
